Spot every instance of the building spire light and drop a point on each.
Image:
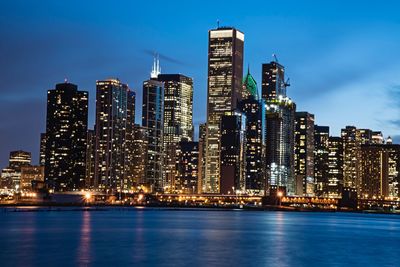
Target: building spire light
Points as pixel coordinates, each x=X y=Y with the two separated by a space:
x=156 y=69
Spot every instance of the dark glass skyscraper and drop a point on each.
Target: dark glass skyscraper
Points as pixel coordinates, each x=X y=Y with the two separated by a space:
x=321 y=163
x=304 y=154
x=152 y=121
x=233 y=155
x=225 y=72
x=254 y=110
x=187 y=166
x=280 y=121
x=66 y=133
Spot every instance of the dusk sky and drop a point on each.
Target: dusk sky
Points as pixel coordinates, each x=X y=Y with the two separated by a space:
x=342 y=57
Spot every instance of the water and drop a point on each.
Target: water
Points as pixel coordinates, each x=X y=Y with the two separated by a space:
x=161 y=237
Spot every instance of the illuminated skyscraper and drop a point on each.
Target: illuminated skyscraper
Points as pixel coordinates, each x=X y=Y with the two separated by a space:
x=66 y=134
x=280 y=121
x=380 y=170
x=178 y=119
x=304 y=154
x=353 y=138
x=321 y=163
x=225 y=72
x=152 y=121
x=113 y=120
x=335 y=166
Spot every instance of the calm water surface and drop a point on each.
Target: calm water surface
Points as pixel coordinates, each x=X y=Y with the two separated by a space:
x=161 y=237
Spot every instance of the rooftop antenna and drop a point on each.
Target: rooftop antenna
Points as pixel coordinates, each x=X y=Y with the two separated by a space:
x=275 y=58
x=217 y=23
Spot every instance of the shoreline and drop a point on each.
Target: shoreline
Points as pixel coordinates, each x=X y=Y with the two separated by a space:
x=63 y=207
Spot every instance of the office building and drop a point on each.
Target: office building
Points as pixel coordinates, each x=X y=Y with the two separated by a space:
x=225 y=72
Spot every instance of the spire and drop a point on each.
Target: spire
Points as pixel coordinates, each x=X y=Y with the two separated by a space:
x=156 y=69
x=250 y=84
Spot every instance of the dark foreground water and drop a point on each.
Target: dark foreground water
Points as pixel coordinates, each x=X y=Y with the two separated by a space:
x=154 y=237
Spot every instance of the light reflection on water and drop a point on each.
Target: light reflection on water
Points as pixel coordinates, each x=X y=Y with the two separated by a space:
x=152 y=237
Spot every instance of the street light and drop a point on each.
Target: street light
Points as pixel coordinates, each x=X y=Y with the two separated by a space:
x=280 y=195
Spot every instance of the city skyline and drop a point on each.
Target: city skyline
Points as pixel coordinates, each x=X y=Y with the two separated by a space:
x=335 y=74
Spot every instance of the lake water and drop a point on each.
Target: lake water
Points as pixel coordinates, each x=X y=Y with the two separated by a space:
x=162 y=237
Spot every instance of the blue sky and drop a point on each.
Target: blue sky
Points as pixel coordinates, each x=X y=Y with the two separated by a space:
x=342 y=57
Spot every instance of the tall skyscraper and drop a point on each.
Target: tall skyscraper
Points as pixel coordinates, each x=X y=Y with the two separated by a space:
x=187 y=165
x=321 y=163
x=280 y=122
x=113 y=109
x=178 y=119
x=225 y=72
x=335 y=166
x=152 y=120
x=254 y=110
x=66 y=133
x=304 y=154
x=233 y=162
